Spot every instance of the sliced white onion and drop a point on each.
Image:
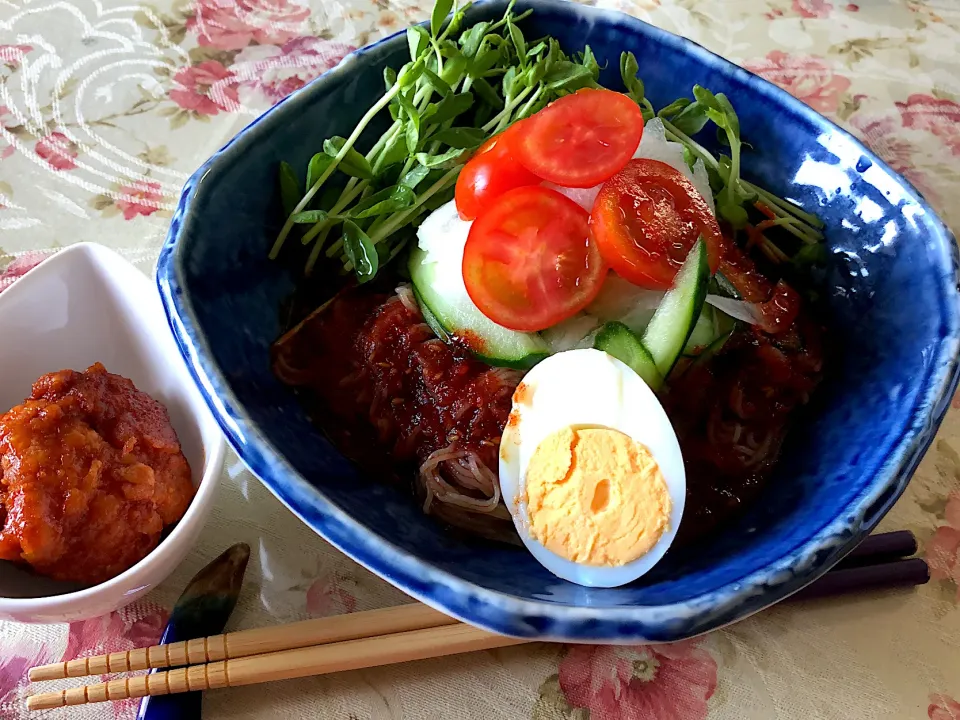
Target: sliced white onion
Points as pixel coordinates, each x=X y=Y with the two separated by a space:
x=571 y=333
x=584 y=197
x=619 y=298
x=739 y=309
x=655 y=146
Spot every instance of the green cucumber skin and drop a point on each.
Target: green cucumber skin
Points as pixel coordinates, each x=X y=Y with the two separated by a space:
x=725 y=287
x=430 y=319
x=713 y=348
x=446 y=333
x=689 y=289
x=619 y=341
x=703 y=333
x=525 y=363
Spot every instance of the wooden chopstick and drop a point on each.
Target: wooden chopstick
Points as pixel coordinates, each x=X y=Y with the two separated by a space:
x=373 y=638
x=322 y=631
x=288 y=664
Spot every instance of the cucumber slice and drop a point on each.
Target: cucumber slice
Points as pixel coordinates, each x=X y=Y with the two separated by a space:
x=670 y=327
x=430 y=319
x=616 y=339
x=713 y=348
x=454 y=314
x=704 y=332
x=723 y=323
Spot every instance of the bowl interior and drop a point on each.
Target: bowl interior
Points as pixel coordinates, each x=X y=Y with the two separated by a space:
x=87 y=305
x=892 y=318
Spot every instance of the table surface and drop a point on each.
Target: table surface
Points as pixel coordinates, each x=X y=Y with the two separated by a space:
x=107 y=107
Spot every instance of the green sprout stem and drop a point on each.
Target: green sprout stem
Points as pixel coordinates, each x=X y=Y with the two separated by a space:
x=525 y=110
x=400 y=219
x=517 y=98
x=802 y=224
x=361 y=126
x=496 y=123
x=775 y=202
x=351 y=191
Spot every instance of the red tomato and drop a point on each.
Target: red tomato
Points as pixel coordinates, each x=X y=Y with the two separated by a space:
x=490 y=173
x=581 y=139
x=646 y=219
x=529 y=261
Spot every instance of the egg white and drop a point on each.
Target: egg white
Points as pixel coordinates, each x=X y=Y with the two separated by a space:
x=588 y=388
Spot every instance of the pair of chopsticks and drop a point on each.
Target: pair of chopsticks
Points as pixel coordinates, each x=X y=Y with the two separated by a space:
x=312 y=647
x=377 y=637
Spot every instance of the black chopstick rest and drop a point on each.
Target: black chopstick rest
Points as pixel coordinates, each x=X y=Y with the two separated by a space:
x=882 y=547
x=899 y=573
x=203 y=609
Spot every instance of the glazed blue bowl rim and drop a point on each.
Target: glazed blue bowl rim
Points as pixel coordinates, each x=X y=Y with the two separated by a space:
x=501 y=612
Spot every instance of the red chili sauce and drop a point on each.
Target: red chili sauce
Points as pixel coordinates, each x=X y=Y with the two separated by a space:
x=378 y=377
x=384 y=380
x=91 y=473
x=732 y=412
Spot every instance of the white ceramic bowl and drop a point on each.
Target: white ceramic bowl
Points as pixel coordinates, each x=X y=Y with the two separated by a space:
x=86 y=304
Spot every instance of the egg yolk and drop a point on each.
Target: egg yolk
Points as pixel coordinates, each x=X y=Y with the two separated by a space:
x=596 y=497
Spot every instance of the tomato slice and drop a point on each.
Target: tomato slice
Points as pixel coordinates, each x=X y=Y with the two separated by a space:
x=581 y=139
x=529 y=261
x=645 y=220
x=492 y=171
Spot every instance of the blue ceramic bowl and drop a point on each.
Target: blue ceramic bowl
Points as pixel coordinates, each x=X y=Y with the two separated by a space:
x=893 y=312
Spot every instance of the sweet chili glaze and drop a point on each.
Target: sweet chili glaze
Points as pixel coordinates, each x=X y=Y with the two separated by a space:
x=92 y=473
x=377 y=377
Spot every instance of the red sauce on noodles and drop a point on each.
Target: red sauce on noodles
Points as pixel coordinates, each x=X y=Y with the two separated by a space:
x=380 y=379
x=385 y=381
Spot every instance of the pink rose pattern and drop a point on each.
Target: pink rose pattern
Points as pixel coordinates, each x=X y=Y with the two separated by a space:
x=268 y=55
x=207 y=88
x=805 y=77
x=140 y=197
x=812 y=8
x=942 y=551
x=813 y=80
x=14 y=664
x=940 y=117
x=276 y=57
x=643 y=682
x=137 y=625
x=325 y=597
x=275 y=72
x=943 y=707
x=13 y=55
x=881 y=134
x=58 y=151
x=234 y=24
x=20 y=266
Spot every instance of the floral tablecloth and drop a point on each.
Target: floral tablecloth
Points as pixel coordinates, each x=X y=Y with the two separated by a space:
x=107 y=106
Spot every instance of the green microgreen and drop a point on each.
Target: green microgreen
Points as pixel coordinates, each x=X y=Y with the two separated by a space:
x=461 y=86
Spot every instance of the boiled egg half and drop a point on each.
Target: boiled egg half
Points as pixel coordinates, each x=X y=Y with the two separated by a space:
x=591 y=470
